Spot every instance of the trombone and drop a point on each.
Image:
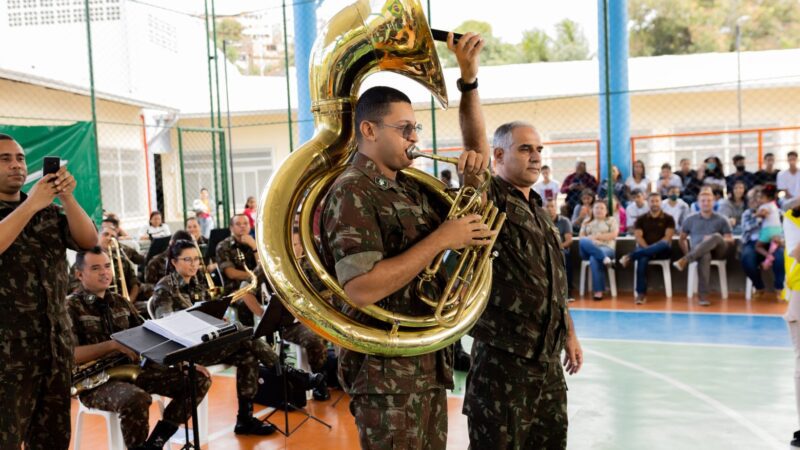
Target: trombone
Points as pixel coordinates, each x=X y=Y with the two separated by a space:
x=118 y=270
x=214 y=291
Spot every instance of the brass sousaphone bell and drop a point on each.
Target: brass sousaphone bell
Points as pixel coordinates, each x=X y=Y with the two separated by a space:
x=364 y=38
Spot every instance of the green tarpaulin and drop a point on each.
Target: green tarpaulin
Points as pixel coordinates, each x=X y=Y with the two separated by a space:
x=75 y=145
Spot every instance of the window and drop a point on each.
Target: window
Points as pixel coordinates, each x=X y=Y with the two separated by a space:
x=49 y=12
x=162 y=34
x=123 y=188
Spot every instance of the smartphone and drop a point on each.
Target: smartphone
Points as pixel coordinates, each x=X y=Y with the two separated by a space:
x=51 y=165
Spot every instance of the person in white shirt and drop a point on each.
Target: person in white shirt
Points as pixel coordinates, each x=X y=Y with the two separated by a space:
x=789 y=179
x=668 y=180
x=638 y=207
x=638 y=179
x=676 y=207
x=155 y=229
x=547 y=188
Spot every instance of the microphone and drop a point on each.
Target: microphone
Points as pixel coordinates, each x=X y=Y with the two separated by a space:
x=440 y=35
x=228 y=329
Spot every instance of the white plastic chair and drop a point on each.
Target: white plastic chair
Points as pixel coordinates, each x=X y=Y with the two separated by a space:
x=586 y=274
x=113 y=427
x=665 y=269
x=691 y=283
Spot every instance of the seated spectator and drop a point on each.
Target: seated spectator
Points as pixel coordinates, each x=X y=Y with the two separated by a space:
x=713 y=174
x=546 y=187
x=638 y=180
x=637 y=208
x=710 y=235
x=193 y=228
x=156 y=228
x=446 y=176
x=112 y=219
x=576 y=183
x=597 y=244
x=582 y=211
x=653 y=232
x=619 y=214
x=770 y=237
x=733 y=206
x=715 y=193
x=620 y=189
x=676 y=207
x=668 y=180
x=751 y=259
x=690 y=183
x=789 y=179
x=565 y=233
x=741 y=174
x=769 y=174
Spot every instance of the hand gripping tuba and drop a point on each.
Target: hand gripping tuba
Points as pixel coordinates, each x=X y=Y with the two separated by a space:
x=364 y=38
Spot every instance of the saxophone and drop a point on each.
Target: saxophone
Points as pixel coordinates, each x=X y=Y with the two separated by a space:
x=100 y=371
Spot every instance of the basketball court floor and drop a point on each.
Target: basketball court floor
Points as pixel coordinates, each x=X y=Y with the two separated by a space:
x=668 y=375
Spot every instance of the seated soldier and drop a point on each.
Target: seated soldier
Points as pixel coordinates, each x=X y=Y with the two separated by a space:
x=156 y=268
x=180 y=290
x=97 y=313
x=234 y=253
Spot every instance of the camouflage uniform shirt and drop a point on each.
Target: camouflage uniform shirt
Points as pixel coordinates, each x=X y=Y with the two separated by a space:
x=227 y=256
x=173 y=294
x=96 y=319
x=527 y=308
x=33 y=287
x=367 y=218
x=156 y=268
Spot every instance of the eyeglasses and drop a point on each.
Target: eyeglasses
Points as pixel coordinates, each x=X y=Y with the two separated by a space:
x=190 y=259
x=408 y=128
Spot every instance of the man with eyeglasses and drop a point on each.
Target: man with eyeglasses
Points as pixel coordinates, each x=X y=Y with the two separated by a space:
x=380 y=229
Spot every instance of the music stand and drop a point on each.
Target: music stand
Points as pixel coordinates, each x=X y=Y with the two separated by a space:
x=217 y=235
x=167 y=352
x=157 y=245
x=286 y=404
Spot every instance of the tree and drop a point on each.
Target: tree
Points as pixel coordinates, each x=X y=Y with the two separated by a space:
x=495 y=51
x=229 y=30
x=669 y=27
x=570 y=43
x=535 y=45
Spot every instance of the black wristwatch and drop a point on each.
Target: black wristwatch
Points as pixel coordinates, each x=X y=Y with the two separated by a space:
x=466 y=87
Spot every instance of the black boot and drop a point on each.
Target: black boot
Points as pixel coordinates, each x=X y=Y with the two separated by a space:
x=307 y=380
x=321 y=393
x=247 y=424
x=159 y=437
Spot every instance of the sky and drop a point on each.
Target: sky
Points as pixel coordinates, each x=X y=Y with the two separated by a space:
x=509 y=18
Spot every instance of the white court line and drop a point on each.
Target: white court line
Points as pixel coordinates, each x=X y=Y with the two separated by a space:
x=690 y=344
x=685 y=313
x=710 y=401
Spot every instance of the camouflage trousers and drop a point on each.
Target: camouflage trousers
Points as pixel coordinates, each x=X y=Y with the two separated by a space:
x=514 y=403
x=35 y=393
x=132 y=400
x=246 y=357
x=415 y=421
x=315 y=347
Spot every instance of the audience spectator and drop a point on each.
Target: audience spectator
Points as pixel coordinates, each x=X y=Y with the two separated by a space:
x=741 y=174
x=710 y=236
x=668 y=180
x=715 y=193
x=653 y=232
x=546 y=187
x=576 y=183
x=112 y=219
x=789 y=179
x=250 y=210
x=155 y=228
x=690 y=183
x=638 y=179
x=619 y=214
x=637 y=208
x=203 y=208
x=597 y=244
x=447 y=178
x=713 y=174
x=620 y=189
x=676 y=207
x=193 y=228
x=733 y=206
x=751 y=259
x=769 y=174
x=770 y=237
x=582 y=211
x=565 y=233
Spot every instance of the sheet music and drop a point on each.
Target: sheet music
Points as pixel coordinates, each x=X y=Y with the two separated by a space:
x=181 y=327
